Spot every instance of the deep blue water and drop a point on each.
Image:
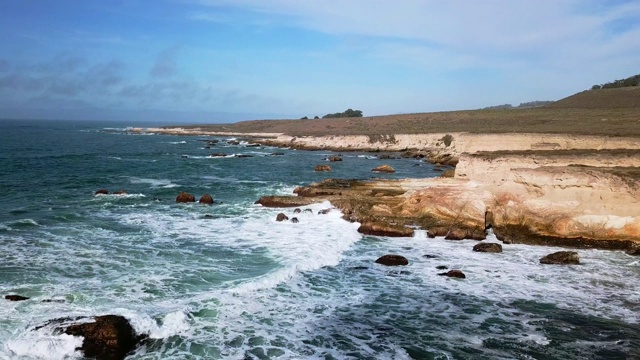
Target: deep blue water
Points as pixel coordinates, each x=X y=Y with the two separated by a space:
x=241 y=285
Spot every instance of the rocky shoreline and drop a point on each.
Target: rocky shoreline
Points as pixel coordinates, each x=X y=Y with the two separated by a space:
x=577 y=191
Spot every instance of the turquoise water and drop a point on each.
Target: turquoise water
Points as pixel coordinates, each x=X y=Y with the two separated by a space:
x=239 y=285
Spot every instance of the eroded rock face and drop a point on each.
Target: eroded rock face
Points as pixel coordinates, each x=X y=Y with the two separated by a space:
x=320 y=168
x=206 y=199
x=392 y=260
x=108 y=337
x=281 y=217
x=384 y=169
x=561 y=258
x=382 y=229
x=185 y=197
x=488 y=247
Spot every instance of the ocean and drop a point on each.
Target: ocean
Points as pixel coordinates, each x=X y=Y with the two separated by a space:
x=229 y=282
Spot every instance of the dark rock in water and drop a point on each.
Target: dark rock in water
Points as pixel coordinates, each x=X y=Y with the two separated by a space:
x=634 y=251
x=334 y=158
x=102 y=192
x=108 y=337
x=295 y=220
x=384 y=169
x=561 y=258
x=209 y=216
x=456 y=234
x=233 y=142
x=297 y=211
x=324 y=211
x=308 y=211
x=243 y=155
x=185 y=156
x=429 y=256
x=281 y=217
x=454 y=274
x=120 y=192
x=360 y=268
x=392 y=260
x=16 y=297
x=53 y=300
x=184 y=197
x=388 y=157
x=437 y=231
x=218 y=155
x=488 y=247
x=277 y=154
x=206 y=199
x=442 y=267
x=252 y=145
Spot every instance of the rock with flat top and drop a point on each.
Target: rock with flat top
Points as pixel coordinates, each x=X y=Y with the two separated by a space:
x=561 y=258
x=488 y=248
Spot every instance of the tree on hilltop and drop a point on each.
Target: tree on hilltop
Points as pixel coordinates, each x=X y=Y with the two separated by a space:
x=628 y=82
x=349 y=113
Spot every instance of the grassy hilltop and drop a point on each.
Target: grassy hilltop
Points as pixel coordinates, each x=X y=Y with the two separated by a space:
x=606 y=111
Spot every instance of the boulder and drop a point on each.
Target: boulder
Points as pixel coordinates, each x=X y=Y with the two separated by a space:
x=295 y=220
x=488 y=247
x=184 y=197
x=561 y=258
x=456 y=234
x=392 y=260
x=334 y=158
x=634 y=251
x=102 y=192
x=454 y=274
x=442 y=267
x=324 y=211
x=281 y=217
x=382 y=229
x=437 y=231
x=206 y=199
x=15 y=297
x=218 y=155
x=384 y=169
x=322 y=168
x=107 y=337
x=297 y=211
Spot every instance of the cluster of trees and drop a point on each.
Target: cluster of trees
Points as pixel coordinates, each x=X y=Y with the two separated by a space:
x=524 y=105
x=349 y=113
x=630 y=81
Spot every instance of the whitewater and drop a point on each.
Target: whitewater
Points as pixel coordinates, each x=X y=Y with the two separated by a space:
x=228 y=281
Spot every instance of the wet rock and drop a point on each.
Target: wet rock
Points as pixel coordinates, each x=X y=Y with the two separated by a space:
x=102 y=192
x=120 y=192
x=285 y=201
x=295 y=220
x=392 y=260
x=634 y=251
x=218 y=155
x=53 y=301
x=382 y=229
x=15 y=297
x=308 y=211
x=297 y=211
x=252 y=145
x=243 y=155
x=277 y=154
x=454 y=274
x=185 y=197
x=209 y=216
x=442 y=267
x=388 y=157
x=437 y=231
x=384 y=169
x=430 y=256
x=456 y=234
x=360 y=268
x=561 y=258
x=320 y=168
x=334 y=158
x=488 y=247
x=108 y=337
x=281 y=217
x=324 y=211
x=233 y=142
x=206 y=199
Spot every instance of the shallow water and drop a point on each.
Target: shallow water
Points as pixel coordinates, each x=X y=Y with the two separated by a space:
x=241 y=285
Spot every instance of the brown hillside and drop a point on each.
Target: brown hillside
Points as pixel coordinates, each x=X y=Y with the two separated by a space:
x=612 y=112
x=618 y=98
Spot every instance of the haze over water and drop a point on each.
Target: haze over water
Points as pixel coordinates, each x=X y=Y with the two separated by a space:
x=239 y=285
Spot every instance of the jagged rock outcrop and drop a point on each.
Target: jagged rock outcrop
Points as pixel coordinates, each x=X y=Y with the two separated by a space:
x=392 y=260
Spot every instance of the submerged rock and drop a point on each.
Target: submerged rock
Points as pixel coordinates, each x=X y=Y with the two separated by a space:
x=184 y=197
x=442 y=267
x=295 y=220
x=392 y=260
x=120 y=192
x=488 y=247
x=320 y=168
x=561 y=258
x=281 y=217
x=384 y=169
x=206 y=199
x=15 y=297
x=454 y=274
x=102 y=192
x=297 y=211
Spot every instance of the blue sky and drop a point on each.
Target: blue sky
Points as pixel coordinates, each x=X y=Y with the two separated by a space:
x=224 y=60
